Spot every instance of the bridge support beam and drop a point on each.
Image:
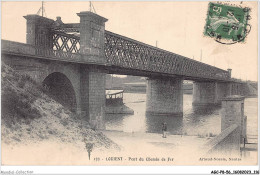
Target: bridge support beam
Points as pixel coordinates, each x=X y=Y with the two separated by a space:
x=164 y=97
x=233 y=113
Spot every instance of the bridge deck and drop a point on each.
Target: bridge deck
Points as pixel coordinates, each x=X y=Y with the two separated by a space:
x=125 y=53
x=128 y=56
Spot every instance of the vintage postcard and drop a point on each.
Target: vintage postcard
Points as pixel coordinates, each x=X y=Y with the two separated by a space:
x=129 y=83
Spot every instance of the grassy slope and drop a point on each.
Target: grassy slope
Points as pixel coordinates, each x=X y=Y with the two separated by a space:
x=29 y=116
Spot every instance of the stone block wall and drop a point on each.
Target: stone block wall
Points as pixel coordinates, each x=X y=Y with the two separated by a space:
x=232 y=112
x=222 y=91
x=40 y=69
x=164 y=97
x=97 y=98
x=204 y=93
x=38 y=31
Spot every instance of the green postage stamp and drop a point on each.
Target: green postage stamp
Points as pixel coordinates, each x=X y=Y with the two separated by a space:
x=227 y=24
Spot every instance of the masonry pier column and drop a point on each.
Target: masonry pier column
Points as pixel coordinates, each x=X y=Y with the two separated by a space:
x=205 y=93
x=164 y=97
x=223 y=90
x=233 y=89
x=229 y=89
x=233 y=129
x=92 y=31
x=236 y=88
x=232 y=112
x=38 y=32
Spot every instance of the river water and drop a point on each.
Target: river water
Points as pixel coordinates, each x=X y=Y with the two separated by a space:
x=195 y=121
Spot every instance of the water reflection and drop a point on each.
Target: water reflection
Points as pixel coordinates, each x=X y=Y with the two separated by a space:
x=154 y=123
x=202 y=120
x=116 y=121
x=196 y=119
x=206 y=110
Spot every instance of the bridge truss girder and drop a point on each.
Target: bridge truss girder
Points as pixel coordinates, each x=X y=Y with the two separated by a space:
x=66 y=42
x=127 y=53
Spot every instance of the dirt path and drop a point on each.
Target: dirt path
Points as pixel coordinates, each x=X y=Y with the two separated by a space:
x=153 y=145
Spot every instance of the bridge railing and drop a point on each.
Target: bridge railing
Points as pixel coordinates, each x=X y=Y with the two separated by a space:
x=27 y=49
x=17 y=48
x=57 y=54
x=128 y=53
x=65 y=42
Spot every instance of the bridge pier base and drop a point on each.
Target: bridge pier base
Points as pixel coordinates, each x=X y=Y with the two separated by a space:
x=236 y=89
x=210 y=93
x=97 y=103
x=92 y=90
x=223 y=90
x=233 y=113
x=164 y=97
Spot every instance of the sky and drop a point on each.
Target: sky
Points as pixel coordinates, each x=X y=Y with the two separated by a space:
x=176 y=26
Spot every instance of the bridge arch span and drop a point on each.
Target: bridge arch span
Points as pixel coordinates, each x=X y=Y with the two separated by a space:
x=61 y=89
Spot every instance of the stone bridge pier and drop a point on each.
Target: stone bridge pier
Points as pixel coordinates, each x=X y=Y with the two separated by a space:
x=92 y=78
x=164 y=96
x=211 y=93
x=237 y=88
